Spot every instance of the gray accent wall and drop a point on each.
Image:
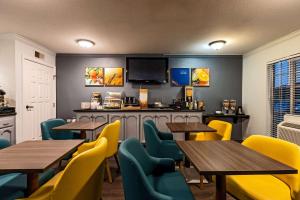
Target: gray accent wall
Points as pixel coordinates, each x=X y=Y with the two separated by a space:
x=225 y=80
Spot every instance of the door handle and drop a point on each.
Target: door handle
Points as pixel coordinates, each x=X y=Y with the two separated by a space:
x=29 y=107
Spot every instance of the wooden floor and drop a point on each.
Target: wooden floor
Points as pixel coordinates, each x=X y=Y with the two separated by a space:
x=114 y=191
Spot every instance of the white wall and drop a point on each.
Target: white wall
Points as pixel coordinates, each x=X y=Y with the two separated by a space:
x=255 y=84
x=7 y=70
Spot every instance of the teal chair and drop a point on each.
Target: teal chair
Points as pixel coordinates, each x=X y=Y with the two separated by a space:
x=4 y=143
x=162 y=135
x=149 y=178
x=49 y=134
x=13 y=185
x=160 y=148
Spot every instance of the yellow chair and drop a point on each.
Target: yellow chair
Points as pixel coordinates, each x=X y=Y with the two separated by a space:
x=223 y=128
x=269 y=187
x=111 y=132
x=80 y=179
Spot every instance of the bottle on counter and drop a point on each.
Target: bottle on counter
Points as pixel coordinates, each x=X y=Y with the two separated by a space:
x=195 y=105
x=187 y=105
x=191 y=105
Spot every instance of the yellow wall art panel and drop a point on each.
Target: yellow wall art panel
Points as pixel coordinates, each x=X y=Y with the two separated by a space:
x=114 y=76
x=200 y=77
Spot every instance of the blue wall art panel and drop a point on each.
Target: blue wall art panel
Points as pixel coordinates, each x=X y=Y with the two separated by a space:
x=180 y=76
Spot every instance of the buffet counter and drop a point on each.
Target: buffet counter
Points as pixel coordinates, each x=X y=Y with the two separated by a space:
x=138 y=110
x=132 y=120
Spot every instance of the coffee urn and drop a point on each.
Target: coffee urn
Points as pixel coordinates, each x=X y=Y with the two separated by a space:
x=2 y=101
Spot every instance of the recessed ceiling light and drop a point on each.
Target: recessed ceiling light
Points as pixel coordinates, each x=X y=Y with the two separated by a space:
x=85 y=43
x=218 y=44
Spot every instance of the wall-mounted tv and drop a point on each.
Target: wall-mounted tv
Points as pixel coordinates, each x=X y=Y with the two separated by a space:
x=147 y=69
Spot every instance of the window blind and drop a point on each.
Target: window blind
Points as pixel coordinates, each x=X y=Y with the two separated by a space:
x=295 y=64
x=284 y=84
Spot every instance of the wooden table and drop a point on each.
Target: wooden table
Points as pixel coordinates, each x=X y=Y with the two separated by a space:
x=34 y=157
x=83 y=127
x=187 y=128
x=223 y=158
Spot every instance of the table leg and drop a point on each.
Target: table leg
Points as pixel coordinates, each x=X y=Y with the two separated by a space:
x=187 y=163
x=220 y=187
x=186 y=136
x=82 y=134
x=32 y=183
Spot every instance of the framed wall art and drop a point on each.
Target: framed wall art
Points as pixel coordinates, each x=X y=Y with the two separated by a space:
x=114 y=76
x=180 y=77
x=94 y=76
x=200 y=77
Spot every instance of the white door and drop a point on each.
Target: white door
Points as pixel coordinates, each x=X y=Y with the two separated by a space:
x=38 y=98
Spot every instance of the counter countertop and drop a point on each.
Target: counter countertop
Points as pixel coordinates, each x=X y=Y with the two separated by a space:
x=7 y=114
x=226 y=115
x=137 y=110
x=232 y=116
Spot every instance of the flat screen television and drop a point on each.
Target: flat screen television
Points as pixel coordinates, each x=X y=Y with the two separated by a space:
x=147 y=69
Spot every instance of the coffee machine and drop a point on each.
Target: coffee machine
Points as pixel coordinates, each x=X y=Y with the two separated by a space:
x=2 y=100
x=188 y=93
x=232 y=107
x=4 y=108
x=130 y=101
x=225 y=106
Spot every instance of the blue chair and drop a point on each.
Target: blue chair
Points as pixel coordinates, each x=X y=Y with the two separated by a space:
x=148 y=178
x=4 y=143
x=160 y=148
x=13 y=185
x=162 y=135
x=49 y=134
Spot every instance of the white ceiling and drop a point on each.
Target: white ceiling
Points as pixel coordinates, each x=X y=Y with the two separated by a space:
x=150 y=26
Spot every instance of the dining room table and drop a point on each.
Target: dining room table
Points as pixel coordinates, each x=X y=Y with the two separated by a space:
x=34 y=157
x=81 y=126
x=188 y=127
x=223 y=158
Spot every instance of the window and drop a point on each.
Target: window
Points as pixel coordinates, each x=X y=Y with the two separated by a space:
x=296 y=64
x=284 y=79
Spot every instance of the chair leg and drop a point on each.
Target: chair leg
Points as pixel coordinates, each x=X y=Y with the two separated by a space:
x=181 y=165
x=108 y=171
x=117 y=161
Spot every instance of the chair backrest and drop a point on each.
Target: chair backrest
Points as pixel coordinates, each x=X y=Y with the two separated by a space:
x=135 y=167
x=223 y=128
x=111 y=132
x=4 y=143
x=152 y=140
x=78 y=172
x=282 y=151
x=48 y=133
x=151 y=122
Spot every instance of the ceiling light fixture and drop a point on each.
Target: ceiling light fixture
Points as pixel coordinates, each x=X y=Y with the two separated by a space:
x=218 y=44
x=85 y=43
